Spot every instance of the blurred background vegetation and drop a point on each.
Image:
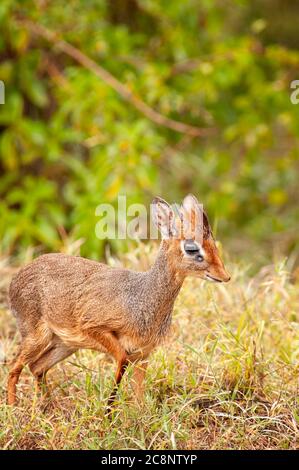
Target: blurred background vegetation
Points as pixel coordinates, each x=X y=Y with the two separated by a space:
x=69 y=141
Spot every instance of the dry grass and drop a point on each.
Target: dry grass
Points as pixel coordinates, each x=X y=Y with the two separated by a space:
x=226 y=379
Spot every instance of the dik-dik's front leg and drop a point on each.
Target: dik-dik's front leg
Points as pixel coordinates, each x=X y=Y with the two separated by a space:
x=139 y=359
x=138 y=377
x=98 y=340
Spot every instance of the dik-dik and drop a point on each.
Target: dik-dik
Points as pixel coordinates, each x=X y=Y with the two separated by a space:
x=63 y=303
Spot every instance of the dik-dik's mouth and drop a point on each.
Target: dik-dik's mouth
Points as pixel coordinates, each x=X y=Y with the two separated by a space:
x=211 y=278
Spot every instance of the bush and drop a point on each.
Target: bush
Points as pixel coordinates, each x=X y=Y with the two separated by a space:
x=69 y=142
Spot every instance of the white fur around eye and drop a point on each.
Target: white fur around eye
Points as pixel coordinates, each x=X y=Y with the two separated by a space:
x=201 y=250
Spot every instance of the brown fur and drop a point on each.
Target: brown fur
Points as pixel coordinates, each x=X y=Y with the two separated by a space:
x=63 y=303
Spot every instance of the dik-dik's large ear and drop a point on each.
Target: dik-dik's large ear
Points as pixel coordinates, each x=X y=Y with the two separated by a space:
x=195 y=220
x=163 y=217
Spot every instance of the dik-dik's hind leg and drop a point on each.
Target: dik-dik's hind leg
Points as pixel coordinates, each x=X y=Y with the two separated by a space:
x=49 y=358
x=13 y=377
x=31 y=349
x=27 y=350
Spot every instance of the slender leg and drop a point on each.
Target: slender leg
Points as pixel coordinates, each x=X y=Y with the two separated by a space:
x=49 y=358
x=112 y=345
x=121 y=368
x=138 y=380
x=32 y=347
x=41 y=384
x=13 y=378
x=27 y=350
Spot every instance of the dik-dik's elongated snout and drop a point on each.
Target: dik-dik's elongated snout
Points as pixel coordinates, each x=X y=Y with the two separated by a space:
x=217 y=275
x=215 y=270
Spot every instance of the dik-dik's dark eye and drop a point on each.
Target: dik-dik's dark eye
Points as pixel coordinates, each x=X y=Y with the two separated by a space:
x=192 y=249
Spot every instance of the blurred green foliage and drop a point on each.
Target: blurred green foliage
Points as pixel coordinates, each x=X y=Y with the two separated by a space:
x=69 y=142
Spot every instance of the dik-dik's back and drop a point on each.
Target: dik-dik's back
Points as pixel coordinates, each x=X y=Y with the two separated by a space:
x=63 y=303
x=64 y=292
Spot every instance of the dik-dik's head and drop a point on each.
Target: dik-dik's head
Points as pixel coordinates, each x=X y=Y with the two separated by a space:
x=190 y=243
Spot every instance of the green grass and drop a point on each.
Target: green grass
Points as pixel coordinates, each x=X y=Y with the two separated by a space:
x=227 y=377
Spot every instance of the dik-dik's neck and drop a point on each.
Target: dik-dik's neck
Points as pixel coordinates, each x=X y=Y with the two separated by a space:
x=164 y=273
x=164 y=283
